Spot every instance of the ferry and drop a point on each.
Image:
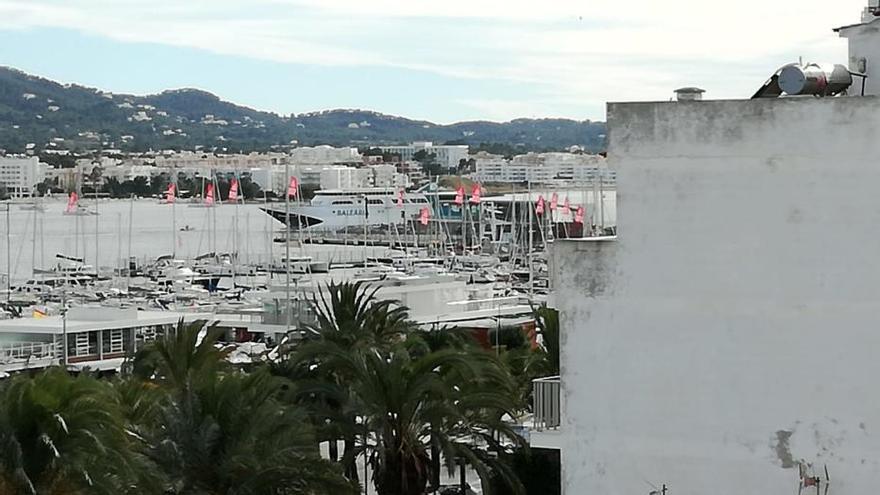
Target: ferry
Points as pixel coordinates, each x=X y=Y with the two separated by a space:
x=338 y=209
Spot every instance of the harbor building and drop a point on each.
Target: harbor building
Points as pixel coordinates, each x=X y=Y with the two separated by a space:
x=20 y=174
x=87 y=337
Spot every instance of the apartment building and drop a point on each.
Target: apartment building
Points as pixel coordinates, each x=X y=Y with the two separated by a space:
x=20 y=175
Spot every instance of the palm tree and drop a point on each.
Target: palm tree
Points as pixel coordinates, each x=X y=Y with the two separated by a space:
x=65 y=435
x=452 y=400
x=183 y=356
x=351 y=315
x=225 y=432
x=351 y=319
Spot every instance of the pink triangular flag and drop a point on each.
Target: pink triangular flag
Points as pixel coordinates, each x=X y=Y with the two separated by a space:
x=209 y=194
x=475 y=194
x=292 y=187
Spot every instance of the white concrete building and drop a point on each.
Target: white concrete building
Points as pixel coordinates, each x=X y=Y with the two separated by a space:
x=189 y=161
x=20 y=174
x=726 y=337
x=324 y=154
x=543 y=168
x=386 y=175
x=448 y=156
x=346 y=178
x=864 y=49
x=307 y=175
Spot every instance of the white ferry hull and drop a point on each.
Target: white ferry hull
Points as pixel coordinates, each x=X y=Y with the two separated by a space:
x=334 y=218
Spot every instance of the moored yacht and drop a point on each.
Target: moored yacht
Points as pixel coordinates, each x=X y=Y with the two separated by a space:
x=337 y=209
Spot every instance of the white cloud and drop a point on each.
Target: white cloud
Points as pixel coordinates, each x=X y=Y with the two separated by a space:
x=572 y=53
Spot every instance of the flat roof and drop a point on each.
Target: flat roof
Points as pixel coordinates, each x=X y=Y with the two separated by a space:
x=54 y=325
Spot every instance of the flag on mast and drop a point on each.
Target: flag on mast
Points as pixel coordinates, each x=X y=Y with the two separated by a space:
x=475 y=194
x=554 y=201
x=539 y=208
x=400 y=198
x=169 y=194
x=209 y=194
x=459 y=196
x=233 y=190
x=424 y=215
x=292 y=187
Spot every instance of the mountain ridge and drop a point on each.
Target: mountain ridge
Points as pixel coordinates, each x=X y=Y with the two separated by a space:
x=38 y=114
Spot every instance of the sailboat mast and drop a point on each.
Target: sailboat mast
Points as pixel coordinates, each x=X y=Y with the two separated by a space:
x=529 y=255
x=128 y=259
x=214 y=214
x=601 y=199
x=174 y=215
x=235 y=233
x=8 y=258
x=97 y=227
x=287 y=245
x=34 y=242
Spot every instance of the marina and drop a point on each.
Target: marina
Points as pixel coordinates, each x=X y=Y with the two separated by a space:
x=451 y=260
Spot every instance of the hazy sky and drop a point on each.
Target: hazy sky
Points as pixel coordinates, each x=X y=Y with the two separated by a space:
x=442 y=60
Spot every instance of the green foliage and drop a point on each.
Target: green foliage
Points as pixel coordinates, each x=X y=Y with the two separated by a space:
x=417 y=399
x=216 y=430
x=65 y=435
x=185 y=422
x=87 y=118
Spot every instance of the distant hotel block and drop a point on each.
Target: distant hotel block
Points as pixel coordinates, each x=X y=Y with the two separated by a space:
x=543 y=168
x=20 y=175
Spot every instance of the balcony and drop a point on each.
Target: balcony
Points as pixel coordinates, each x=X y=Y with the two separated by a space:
x=545 y=425
x=546 y=404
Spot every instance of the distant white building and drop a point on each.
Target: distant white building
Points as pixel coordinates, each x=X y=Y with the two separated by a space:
x=324 y=155
x=542 y=168
x=385 y=175
x=346 y=178
x=20 y=175
x=189 y=161
x=306 y=174
x=448 y=156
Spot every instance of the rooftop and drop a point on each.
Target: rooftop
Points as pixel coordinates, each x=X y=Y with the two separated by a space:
x=88 y=319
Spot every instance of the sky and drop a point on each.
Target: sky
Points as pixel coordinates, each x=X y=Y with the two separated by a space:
x=439 y=60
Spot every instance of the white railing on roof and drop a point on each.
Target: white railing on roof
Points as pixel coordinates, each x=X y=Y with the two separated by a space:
x=17 y=352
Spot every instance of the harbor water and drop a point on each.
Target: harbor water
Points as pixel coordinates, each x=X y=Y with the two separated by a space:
x=144 y=229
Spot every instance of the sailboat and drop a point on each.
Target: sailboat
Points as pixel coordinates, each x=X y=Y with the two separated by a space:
x=208 y=199
x=74 y=208
x=170 y=194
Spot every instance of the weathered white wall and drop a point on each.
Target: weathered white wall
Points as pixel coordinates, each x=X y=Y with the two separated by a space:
x=733 y=328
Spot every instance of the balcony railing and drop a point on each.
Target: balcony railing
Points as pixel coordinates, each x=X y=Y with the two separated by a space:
x=546 y=402
x=17 y=352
